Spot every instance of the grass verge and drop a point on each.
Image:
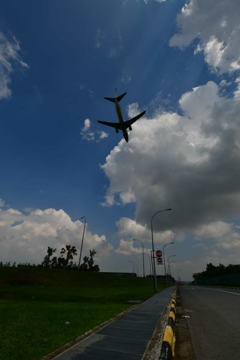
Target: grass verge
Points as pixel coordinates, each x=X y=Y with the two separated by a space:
x=42 y=309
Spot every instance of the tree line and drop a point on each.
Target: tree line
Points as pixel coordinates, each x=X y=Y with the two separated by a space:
x=65 y=260
x=219 y=270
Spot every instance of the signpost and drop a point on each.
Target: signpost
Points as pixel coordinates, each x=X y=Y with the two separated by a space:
x=159 y=257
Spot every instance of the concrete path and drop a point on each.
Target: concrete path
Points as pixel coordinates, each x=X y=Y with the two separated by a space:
x=125 y=338
x=214 y=321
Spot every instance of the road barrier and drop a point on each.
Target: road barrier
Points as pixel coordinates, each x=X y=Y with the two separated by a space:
x=168 y=340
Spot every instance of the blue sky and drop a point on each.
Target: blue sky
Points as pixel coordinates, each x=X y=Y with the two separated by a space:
x=65 y=83
x=66 y=56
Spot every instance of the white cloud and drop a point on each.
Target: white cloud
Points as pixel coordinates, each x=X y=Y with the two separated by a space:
x=130 y=229
x=188 y=162
x=9 y=56
x=214 y=230
x=216 y=25
x=226 y=235
x=128 y=248
x=88 y=134
x=103 y=135
x=133 y=109
x=87 y=124
x=25 y=237
x=237 y=91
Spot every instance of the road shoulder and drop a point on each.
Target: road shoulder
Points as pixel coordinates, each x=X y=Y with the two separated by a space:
x=184 y=347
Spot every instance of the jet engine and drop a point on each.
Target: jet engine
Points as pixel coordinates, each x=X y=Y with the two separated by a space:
x=130 y=128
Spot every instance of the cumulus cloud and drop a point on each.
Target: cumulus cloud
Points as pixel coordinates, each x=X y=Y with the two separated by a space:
x=237 y=91
x=216 y=25
x=88 y=134
x=128 y=248
x=129 y=228
x=226 y=235
x=103 y=135
x=188 y=162
x=25 y=236
x=9 y=57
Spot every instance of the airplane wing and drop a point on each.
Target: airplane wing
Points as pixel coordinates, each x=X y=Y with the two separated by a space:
x=114 y=125
x=118 y=98
x=131 y=121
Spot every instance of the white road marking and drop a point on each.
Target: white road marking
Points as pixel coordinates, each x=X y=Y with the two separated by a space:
x=228 y=292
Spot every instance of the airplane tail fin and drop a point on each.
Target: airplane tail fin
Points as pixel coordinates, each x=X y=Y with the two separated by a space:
x=118 y=98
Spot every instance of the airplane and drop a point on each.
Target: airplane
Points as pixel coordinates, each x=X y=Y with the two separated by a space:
x=121 y=125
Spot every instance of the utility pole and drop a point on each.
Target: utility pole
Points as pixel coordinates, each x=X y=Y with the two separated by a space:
x=153 y=250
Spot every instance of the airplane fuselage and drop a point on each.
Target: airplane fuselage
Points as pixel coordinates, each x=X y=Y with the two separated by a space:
x=120 y=119
x=119 y=112
x=121 y=125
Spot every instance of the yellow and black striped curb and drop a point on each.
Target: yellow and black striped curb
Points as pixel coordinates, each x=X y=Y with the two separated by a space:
x=168 y=340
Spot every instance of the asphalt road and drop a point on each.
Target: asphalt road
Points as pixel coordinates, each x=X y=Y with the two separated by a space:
x=214 y=321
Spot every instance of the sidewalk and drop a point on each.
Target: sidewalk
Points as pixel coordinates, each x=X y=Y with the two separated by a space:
x=125 y=338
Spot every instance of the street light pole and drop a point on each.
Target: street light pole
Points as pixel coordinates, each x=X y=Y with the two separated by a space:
x=153 y=250
x=143 y=260
x=150 y=262
x=83 y=233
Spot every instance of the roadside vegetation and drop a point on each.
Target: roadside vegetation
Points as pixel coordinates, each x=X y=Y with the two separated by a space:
x=218 y=275
x=42 y=308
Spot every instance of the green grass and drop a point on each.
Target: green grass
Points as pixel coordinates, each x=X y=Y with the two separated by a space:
x=42 y=309
x=30 y=330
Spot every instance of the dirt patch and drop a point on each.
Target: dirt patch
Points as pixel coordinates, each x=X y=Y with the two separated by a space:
x=183 y=348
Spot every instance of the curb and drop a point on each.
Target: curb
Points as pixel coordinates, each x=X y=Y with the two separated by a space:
x=154 y=348
x=168 y=340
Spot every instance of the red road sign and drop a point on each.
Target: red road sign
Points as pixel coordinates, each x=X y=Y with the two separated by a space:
x=159 y=257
